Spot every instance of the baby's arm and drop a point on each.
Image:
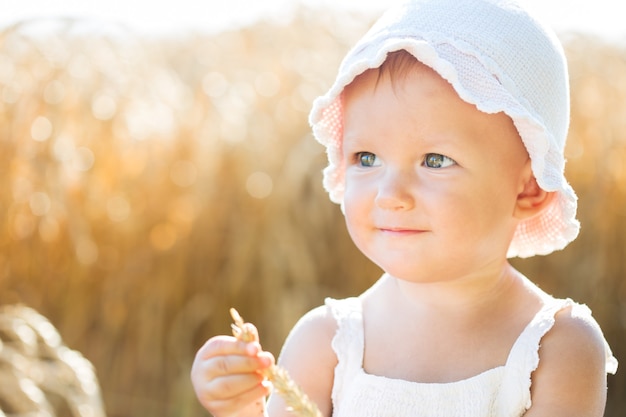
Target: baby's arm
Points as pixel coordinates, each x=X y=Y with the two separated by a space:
x=308 y=357
x=226 y=376
x=570 y=380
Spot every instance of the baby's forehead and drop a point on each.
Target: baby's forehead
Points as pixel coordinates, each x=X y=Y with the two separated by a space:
x=424 y=104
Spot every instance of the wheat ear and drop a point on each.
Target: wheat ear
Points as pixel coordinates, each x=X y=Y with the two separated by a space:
x=297 y=401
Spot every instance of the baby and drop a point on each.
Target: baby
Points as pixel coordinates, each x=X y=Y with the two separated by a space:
x=445 y=131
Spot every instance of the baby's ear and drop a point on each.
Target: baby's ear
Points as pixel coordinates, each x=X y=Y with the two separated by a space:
x=532 y=199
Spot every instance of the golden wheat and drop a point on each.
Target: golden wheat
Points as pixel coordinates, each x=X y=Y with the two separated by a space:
x=297 y=401
x=39 y=375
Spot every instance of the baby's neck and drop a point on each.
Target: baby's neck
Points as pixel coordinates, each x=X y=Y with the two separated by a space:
x=433 y=324
x=463 y=295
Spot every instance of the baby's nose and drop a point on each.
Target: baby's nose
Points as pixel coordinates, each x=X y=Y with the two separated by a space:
x=395 y=190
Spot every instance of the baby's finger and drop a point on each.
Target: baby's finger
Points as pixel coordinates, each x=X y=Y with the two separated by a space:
x=226 y=345
x=235 y=364
x=229 y=405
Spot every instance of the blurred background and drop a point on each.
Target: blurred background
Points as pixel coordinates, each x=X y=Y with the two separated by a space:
x=152 y=179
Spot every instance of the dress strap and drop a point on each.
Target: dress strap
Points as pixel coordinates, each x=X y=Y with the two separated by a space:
x=348 y=342
x=523 y=359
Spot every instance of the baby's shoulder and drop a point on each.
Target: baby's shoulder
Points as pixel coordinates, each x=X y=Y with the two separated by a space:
x=577 y=332
x=573 y=360
x=316 y=327
x=568 y=332
x=319 y=320
x=573 y=322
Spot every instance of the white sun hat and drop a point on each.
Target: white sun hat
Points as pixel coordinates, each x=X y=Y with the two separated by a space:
x=498 y=58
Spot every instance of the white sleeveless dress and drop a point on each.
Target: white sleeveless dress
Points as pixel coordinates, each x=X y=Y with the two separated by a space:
x=503 y=391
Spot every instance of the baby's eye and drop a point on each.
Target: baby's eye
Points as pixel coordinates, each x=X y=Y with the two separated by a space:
x=367 y=159
x=435 y=160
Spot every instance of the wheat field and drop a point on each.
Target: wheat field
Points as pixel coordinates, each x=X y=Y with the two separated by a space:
x=149 y=184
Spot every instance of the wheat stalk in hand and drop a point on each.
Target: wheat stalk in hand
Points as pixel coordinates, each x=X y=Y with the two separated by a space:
x=294 y=397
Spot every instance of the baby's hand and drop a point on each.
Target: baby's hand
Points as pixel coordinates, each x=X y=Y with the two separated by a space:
x=227 y=376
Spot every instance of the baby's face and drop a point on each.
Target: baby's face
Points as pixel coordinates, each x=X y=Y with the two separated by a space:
x=431 y=182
